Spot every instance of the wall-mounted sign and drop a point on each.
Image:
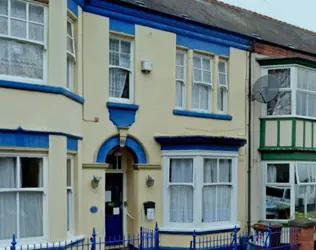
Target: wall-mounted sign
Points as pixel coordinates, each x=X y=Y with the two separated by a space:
x=93 y=209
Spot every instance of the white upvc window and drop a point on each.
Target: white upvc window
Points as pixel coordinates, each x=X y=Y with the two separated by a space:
x=202 y=83
x=200 y=190
x=70 y=195
x=290 y=190
x=297 y=93
x=23 y=41
x=71 y=55
x=222 y=91
x=121 y=70
x=23 y=204
x=180 y=79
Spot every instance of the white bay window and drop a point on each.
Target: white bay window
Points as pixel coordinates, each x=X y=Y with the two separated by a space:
x=290 y=190
x=22 y=41
x=200 y=189
x=70 y=195
x=180 y=79
x=71 y=54
x=222 y=90
x=202 y=83
x=22 y=196
x=297 y=93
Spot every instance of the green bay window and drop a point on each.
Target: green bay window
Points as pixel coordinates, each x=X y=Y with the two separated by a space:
x=297 y=93
x=290 y=190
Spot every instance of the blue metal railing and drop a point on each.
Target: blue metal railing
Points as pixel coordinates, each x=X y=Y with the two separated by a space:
x=146 y=239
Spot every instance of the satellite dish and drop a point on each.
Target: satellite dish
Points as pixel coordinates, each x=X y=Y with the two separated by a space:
x=265 y=89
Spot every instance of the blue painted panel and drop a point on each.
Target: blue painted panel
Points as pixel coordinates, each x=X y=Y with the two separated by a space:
x=72 y=143
x=122 y=115
x=168 y=23
x=193 y=43
x=23 y=139
x=202 y=115
x=200 y=147
x=72 y=5
x=106 y=147
x=121 y=26
x=136 y=149
x=41 y=88
x=114 y=222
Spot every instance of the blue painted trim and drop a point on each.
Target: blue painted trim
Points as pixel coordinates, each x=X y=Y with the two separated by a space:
x=23 y=139
x=121 y=26
x=200 y=143
x=41 y=88
x=202 y=232
x=200 y=147
x=80 y=2
x=155 y=19
x=113 y=142
x=202 y=115
x=137 y=150
x=121 y=114
x=20 y=129
x=196 y=44
x=72 y=5
x=122 y=105
x=72 y=144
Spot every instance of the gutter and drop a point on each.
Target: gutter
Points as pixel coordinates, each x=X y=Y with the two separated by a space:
x=251 y=50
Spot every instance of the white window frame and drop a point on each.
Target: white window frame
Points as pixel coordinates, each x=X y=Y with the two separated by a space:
x=44 y=189
x=220 y=86
x=45 y=52
x=184 y=80
x=210 y=85
x=291 y=184
x=131 y=72
x=293 y=172
x=293 y=89
x=198 y=163
x=70 y=188
x=71 y=58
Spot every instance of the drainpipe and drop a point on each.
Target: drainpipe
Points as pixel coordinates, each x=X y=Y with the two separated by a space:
x=252 y=49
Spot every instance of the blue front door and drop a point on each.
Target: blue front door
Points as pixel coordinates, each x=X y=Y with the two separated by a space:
x=114 y=208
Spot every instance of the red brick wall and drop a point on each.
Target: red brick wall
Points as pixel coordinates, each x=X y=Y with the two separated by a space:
x=270 y=50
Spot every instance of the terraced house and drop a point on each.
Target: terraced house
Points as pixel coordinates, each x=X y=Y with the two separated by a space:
x=121 y=114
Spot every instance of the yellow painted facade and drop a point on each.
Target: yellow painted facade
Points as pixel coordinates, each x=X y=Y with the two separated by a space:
x=154 y=93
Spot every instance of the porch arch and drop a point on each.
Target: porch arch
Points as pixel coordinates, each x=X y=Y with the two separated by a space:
x=133 y=145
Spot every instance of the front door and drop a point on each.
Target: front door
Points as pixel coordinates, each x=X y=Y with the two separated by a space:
x=114 y=207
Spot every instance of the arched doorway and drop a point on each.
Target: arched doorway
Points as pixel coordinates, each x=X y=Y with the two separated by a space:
x=119 y=183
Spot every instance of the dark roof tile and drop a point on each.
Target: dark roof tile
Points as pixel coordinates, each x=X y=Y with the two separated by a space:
x=235 y=19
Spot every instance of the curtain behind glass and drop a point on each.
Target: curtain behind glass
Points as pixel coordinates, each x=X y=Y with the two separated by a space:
x=217 y=198
x=181 y=195
x=21 y=59
x=8 y=206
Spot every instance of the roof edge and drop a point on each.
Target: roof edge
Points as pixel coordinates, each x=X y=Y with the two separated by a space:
x=274 y=61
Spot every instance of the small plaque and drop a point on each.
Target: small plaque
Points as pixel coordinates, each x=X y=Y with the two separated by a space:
x=116 y=211
x=93 y=209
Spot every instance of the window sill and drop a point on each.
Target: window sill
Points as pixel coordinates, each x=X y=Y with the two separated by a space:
x=202 y=115
x=39 y=244
x=210 y=229
x=41 y=88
